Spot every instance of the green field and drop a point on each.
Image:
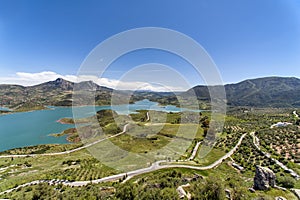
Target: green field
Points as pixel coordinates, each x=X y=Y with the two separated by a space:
x=145 y=137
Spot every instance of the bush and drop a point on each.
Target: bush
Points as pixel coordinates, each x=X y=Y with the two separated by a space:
x=212 y=188
x=287 y=182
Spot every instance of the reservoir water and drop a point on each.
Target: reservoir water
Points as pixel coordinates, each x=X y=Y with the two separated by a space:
x=33 y=128
x=4 y=109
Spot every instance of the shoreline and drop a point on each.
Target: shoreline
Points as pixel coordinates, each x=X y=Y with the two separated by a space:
x=61 y=121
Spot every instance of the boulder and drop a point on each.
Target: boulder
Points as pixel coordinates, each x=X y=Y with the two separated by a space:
x=296 y=192
x=228 y=193
x=264 y=178
x=251 y=190
x=280 y=198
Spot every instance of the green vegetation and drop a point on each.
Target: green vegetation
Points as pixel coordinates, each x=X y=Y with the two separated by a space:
x=72 y=135
x=76 y=166
x=60 y=93
x=29 y=107
x=45 y=191
x=271 y=140
x=287 y=182
x=66 y=121
x=80 y=170
x=265 y=92
x=248 y=157
x=4 y=112
x=162 y=184
x=163 y=98
x=144 y=136
x=282 y=142
x=39 y=149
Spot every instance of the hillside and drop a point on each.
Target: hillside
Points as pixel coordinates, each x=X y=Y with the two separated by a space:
x=56 y=93
x=60 y=93
x=260 y=92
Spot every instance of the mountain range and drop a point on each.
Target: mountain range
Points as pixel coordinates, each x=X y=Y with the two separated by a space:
x=56 y=93
x=260 y=92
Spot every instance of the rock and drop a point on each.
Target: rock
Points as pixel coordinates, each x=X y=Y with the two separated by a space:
x=264 y=178
x=280 y=198
x=280 y=188
x=182 y=193
x=228 y=193
x=237 y=166
x=296 y=192
x=197 y=177
x=194 y=178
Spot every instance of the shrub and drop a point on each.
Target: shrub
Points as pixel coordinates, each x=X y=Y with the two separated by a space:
x=285 y=181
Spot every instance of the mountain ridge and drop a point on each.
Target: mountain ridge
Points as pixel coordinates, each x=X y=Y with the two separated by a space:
x=271 y=91
x=259 y=92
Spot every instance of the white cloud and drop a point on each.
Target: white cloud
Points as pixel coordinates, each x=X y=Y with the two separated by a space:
x=29 y=79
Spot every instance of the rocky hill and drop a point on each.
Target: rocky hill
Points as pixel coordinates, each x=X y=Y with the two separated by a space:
x=261 y=92
x=56 y=93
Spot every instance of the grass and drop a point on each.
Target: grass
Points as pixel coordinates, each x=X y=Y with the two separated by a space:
x=48 y=167
x=39 y=149
x=214 y=155
x=146 y=137
x=142 y=139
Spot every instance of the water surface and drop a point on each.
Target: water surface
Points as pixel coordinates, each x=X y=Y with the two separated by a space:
x=33 y=128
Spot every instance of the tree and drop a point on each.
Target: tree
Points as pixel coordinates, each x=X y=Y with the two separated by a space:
x=168 y=194
x=287 y=182
x=126 y=191
x=211 y=189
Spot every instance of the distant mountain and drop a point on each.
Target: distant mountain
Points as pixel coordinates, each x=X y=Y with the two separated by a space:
x=64 y=85
x=260 y=92
x=58 y=93
x=58 y=84
x=163 y=98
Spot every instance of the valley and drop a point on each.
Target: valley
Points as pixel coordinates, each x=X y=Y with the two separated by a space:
x=236 y=144
x=86 y=166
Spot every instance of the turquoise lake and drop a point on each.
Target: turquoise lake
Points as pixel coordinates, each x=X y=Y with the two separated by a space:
x=33 y=128
x=4 y=109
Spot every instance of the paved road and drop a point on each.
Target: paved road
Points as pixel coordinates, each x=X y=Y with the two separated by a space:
x=66 y=152
x=20 y=186
x=295 y=113
x=216 y=163
x=155 y=166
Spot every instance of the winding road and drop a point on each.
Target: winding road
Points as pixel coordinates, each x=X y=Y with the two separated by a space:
x=155 y=166
x=148 y=117
x=295 y=113
x=162 y=164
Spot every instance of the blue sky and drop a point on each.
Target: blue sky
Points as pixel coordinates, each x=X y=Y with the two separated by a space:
x=40 y=40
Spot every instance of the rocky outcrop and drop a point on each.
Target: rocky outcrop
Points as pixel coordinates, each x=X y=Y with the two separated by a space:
x=228 y=193
x=296 y=192
x=182 y=193
x=264 y=178
x=280 y=198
